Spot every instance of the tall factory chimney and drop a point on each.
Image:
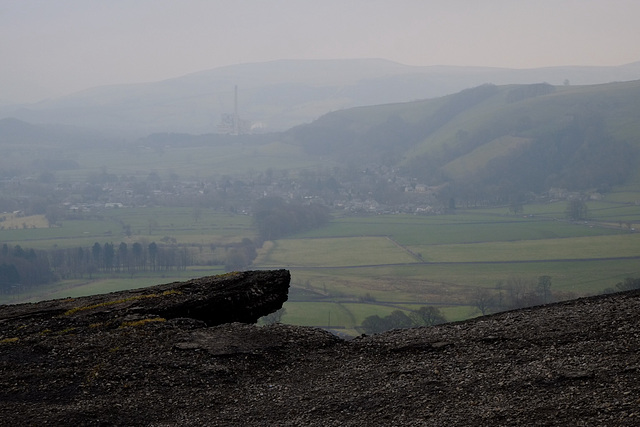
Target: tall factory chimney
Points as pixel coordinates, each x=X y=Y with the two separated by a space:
x=236 y=119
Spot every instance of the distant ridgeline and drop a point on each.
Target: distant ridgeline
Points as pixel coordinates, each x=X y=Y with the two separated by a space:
x=520 y=93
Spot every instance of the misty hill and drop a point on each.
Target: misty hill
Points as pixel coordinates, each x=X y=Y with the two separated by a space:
x=18 y=132
x=34 y=148
x=499 y=140
x=148 y=357
x=280 y=94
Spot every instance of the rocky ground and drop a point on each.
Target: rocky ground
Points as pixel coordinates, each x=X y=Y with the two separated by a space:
x=571 y=363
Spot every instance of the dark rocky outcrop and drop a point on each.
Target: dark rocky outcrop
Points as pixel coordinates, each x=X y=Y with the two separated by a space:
x=571 y=363
x=233 y=297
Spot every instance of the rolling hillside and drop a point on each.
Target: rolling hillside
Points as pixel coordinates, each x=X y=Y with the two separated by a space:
x=502 y=140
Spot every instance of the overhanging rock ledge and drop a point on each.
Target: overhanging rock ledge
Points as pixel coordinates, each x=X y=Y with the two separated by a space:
x=233 y=297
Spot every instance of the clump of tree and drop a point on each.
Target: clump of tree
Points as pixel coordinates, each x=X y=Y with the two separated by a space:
x=275 y=218
x=576 y=210
x=428 y=316
x=398 y=319
x=240 y=256
x=23 y=268
x=513 y=293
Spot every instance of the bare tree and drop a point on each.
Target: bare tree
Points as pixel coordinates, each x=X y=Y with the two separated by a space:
x=483 y=300
x=544 y=288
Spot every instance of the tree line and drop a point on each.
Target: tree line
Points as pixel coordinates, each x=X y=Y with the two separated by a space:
x=77 y=262
x=22 y=269
x=513 y=293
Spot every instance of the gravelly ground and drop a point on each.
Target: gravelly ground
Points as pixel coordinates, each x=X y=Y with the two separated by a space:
x=572 y=363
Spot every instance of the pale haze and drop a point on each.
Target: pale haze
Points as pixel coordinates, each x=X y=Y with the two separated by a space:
x=53 y=48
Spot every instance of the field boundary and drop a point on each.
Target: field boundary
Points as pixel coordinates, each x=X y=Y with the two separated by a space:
x=418 y=257
x=527 y=261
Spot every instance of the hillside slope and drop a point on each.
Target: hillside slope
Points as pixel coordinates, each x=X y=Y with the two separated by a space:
x=571 y=363
x=510 y=139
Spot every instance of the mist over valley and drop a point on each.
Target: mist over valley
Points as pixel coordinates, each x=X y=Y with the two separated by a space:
x=423 y=210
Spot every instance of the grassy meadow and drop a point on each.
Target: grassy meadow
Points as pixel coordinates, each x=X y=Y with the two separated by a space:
x=356 y=267
x=377 y=264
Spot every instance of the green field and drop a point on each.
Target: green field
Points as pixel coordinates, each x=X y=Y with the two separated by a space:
x=440 y=260
x=575 y=248
x=151 y=224
x=355 y=267
x=335 y=252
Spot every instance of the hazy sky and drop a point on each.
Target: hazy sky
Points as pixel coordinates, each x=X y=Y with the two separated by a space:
x=50 y=48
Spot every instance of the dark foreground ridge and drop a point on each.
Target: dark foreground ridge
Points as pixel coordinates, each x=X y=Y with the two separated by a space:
x=144 y=358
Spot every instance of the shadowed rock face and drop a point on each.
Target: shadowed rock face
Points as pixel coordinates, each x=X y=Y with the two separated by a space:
x=114 y=360
x=234 y=297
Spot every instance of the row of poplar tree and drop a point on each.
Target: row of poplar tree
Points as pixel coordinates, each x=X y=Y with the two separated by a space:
x=20 y=268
